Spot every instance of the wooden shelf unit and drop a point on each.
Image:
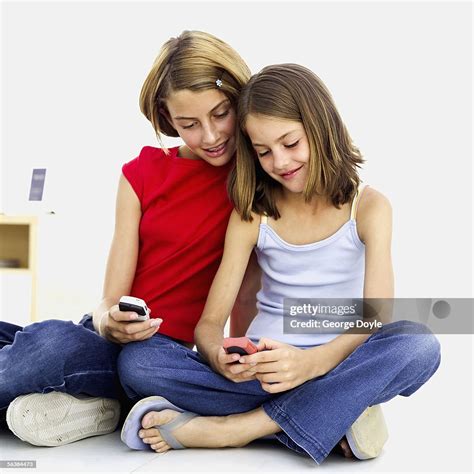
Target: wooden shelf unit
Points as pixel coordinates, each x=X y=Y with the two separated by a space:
x=18 y=241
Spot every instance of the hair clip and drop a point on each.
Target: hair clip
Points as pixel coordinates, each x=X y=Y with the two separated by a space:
x=219 y=83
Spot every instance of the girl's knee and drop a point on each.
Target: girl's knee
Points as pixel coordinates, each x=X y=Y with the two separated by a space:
x=412 y=341
x=61 y=345
x=56 y=336
x=429 y=349
x=421 y=343
x=44 y=340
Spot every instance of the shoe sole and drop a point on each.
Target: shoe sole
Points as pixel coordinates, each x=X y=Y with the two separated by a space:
x=368 y=434
x=56 y=418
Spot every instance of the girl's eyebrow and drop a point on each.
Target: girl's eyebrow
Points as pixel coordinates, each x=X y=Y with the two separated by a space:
x=179 y=117
x=278 y=139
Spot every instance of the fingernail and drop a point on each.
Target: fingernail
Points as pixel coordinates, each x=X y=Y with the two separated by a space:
x=242 y=360
x=134 y=316
x=235 y=357
x=154 y=322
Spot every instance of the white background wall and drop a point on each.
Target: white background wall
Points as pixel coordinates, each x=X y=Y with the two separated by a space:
x=400 y=74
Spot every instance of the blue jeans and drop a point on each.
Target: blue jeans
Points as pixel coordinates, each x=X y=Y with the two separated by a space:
x=396 y=360
x=56 y=355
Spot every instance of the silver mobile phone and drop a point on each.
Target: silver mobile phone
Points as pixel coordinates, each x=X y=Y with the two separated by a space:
x=137 y=305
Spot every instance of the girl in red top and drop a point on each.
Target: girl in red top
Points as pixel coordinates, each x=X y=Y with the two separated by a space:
x=171 y=216
x=172 y=206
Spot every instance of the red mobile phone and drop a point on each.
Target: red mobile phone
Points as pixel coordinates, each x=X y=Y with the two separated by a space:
x=239 y=345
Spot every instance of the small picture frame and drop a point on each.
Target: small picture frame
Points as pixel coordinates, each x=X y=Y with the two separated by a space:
x=37 y=184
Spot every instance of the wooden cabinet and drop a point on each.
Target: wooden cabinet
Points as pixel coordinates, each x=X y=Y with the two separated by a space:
x=18 y=251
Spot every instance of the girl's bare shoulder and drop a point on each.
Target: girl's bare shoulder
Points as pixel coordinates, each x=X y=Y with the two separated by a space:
x=372 y=198
x=374 y=211
x=244 y=229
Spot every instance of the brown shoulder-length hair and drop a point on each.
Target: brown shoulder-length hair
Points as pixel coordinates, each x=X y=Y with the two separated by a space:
x=293 y=92
x=194 y=60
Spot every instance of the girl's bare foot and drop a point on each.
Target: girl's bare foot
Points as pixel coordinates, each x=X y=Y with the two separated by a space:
x=345 y=448
x=208 y=431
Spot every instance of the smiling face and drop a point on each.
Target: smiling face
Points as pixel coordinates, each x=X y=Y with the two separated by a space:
x=205 y=121
x=282 y=148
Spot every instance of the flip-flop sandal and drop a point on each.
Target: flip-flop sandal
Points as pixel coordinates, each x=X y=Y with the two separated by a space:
x=133 y=423
x=368 y=434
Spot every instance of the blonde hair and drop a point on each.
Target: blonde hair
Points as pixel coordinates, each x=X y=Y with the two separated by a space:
x=293 y=92
x=194 y=60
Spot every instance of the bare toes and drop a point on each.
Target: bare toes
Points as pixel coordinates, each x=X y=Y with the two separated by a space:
x=150 y=420
x=161 y=447
x=154 y=440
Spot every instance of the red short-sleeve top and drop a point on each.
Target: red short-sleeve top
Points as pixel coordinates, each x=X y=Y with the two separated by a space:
x=185 y=211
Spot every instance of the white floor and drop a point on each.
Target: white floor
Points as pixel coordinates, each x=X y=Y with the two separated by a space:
x=421 y=440
x=431 y=431
x=108 y=454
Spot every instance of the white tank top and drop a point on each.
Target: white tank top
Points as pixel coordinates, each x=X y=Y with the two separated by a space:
x=330 y=268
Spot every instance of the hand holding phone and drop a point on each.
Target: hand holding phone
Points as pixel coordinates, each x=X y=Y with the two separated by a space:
x=239 y=345
x=226 y=360
x=136 y=305
x=115 y=324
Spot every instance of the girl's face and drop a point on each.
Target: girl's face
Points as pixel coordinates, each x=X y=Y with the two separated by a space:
x=206 y=122
x=282 y=148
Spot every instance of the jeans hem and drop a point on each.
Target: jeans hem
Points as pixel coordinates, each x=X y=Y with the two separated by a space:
x=295 y=433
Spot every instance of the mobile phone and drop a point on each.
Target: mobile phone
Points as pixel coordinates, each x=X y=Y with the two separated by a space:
x=239 y=345
x=136 y=305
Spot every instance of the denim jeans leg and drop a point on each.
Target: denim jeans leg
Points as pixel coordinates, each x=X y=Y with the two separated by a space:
x=161 y=366
x=55 y=355
x=396 y=360
x=125 y=402
x=7 y=333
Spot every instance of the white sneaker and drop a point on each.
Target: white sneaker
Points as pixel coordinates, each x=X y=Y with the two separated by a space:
x=56 y=418
x=368 y=434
